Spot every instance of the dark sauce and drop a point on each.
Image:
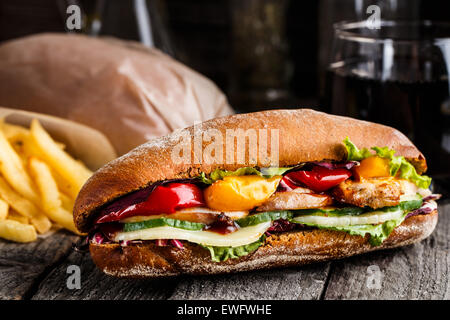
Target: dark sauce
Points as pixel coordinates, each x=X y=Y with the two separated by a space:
x=109 y=230
x=223 y=225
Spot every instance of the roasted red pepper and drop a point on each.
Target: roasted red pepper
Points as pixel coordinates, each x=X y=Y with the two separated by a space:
x=166 y=198
x=318 y=179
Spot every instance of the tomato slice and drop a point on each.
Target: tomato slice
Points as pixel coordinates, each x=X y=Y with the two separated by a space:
x=319 y=179
x=166 y=198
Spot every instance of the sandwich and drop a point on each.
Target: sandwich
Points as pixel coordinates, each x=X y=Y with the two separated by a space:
x=256 y=191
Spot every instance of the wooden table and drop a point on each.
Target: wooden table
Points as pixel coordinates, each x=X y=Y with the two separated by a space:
x=420 y=271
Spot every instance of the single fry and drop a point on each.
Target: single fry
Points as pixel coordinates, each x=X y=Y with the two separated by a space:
x=16 y=231
x=66 y=202
x=12 y=169
x=14 y=133
x=46 y=184
x=64 y=218
x=4 y=206
x=63 y=185
x=71 y=170
x=14 y=215
x=24 y=207
x=29 y=148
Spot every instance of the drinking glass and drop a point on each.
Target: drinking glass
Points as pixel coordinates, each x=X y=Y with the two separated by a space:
x=396 y=75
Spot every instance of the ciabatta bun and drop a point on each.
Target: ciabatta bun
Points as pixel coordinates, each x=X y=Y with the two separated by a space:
x=304 y=135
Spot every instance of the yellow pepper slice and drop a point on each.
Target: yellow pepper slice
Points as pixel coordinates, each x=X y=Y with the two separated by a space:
x=372 y=167
x=240 y=192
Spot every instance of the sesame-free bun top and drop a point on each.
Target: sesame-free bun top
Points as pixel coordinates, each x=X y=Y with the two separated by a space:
x=304 y=135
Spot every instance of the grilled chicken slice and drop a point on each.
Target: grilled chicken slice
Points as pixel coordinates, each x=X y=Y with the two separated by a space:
x=373 y=192
x=299 y=198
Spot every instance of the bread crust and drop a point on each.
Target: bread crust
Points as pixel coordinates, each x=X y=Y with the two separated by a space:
x=304 y=135
x=280 y=250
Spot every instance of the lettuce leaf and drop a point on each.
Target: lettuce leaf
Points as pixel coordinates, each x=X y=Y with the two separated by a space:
x=274 y=171
x=219 y=174
x=397 y=165
x=219 y=254
x=355 y=154
x=378 y=233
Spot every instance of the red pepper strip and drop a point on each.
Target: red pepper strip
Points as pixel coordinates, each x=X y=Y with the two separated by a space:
x=318 y=179
x=286 y=184
x=166 y=198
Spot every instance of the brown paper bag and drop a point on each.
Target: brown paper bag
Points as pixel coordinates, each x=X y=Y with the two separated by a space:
x=82 y=142
x=128 y=92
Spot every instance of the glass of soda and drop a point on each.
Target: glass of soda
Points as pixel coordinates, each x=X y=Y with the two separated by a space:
x=396 y=73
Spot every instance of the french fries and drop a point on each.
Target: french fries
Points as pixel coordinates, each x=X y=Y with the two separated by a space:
x=51 y=200
x=39 y=182
x=24 y=207
x=11 y=167
x=14 y=133
x=71 y=170
x=66 y=202
x=14 y=215
x=46 y=184
x=16 y=231
x=4 y=206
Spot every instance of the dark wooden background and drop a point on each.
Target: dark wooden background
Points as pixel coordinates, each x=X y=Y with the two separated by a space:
x=419 y=271
x=201 y=35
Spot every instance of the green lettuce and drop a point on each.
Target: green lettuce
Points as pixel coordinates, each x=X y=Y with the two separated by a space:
x=355 y=154
x=378 y=233
x=397 y=164
x=219 y=174
x=219 y=254
x=274 y=171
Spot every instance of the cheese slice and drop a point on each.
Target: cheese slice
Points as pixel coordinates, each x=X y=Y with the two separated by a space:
x=409 y=197
x=373 y=217
x=238 y=238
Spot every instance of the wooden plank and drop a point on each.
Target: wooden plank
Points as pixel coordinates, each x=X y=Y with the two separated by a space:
x=281 y=284
x=272 y=284
x=419 y=271
x=21 y=265
x=96 y=285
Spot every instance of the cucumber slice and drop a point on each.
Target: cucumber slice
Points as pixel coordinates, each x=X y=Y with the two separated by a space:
x=374 y=217
x=410 y=205
x=258 y=218
x=347 y=211
x=161 y=222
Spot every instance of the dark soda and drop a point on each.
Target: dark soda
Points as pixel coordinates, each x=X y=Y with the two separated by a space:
x=420 y=109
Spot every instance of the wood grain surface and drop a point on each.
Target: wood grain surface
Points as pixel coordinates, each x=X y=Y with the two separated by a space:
x=420 y=271
x=23 y=265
